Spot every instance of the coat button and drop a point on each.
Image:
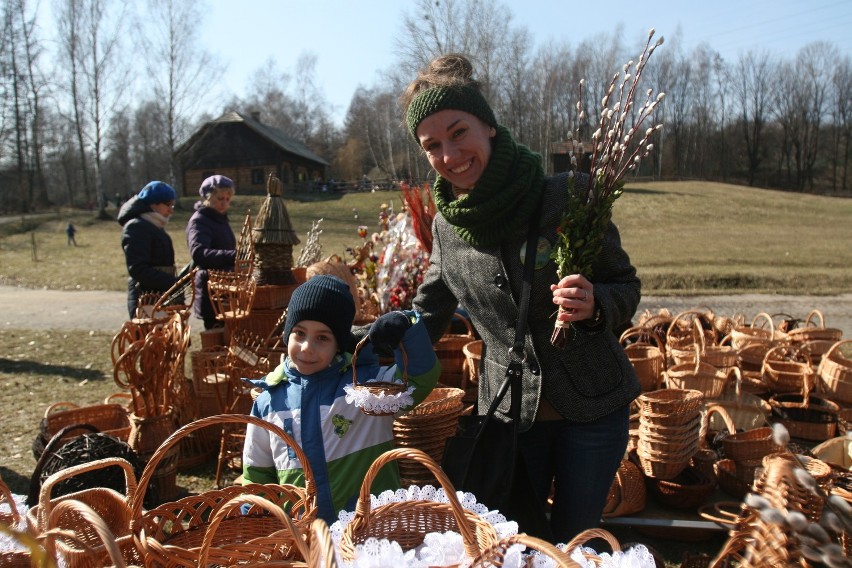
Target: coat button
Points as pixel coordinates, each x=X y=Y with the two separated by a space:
x=534 y=369
x=500 y=281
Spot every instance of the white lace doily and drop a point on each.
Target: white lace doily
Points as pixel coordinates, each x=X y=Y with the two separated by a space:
x=383 y=403
x=9 y=543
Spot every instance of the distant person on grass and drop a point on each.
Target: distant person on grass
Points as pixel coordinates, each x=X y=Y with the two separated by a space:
x=211 y=241
x=305 y=395
x=148 y=249
x=71 y=230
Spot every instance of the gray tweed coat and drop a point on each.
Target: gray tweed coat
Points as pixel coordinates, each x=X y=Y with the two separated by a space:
x=586 y=380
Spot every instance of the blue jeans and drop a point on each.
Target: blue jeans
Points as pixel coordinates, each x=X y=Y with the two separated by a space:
x=580 y=459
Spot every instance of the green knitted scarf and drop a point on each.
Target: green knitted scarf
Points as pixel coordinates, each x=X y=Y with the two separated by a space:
x=500 y=204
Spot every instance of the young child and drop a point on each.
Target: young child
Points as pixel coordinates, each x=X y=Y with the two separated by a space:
x=304 y=395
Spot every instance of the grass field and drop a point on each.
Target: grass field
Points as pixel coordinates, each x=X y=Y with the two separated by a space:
x=685 y=237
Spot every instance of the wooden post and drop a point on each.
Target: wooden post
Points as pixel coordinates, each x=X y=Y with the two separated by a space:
x=34 y=247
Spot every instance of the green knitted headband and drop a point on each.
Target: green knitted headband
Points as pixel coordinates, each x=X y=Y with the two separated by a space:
x=430 y=101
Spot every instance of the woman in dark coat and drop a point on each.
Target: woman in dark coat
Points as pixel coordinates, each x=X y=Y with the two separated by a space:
x=211 y=241
x=147 y=246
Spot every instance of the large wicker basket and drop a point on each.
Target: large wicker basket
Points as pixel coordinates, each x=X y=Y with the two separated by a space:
x=172 y=534
x=408 y=522
x=107 y=418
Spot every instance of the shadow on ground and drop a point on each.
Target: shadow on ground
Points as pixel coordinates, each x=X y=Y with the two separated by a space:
x=37 y=368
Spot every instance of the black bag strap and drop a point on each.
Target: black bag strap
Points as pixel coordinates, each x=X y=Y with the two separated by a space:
x=516 y=367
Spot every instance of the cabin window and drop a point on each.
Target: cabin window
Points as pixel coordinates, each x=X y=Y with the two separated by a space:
x=257 y=176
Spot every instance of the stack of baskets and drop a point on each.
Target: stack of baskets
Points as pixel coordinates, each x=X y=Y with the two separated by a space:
x=426 y=427
x=472 y=359
x=813 y=337
x=743 y=454
x=669 y=424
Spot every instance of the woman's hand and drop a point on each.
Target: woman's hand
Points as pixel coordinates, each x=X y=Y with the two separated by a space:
x=575 y=295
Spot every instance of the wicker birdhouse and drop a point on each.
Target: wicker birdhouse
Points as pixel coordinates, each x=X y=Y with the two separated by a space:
x=273 y=237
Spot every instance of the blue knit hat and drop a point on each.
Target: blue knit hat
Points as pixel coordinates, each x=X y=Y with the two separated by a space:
x=210 y=184
x=157 y=192
x=326 y=299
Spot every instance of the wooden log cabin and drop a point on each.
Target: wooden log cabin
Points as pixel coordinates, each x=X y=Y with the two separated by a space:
x=247 y=150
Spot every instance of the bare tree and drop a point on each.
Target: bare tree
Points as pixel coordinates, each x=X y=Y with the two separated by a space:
x=753 y=82
x=180 y=70
x=842 y=116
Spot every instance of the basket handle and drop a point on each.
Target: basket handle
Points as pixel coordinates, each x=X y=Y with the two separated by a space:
x=80 y=509
x=705 y=422
x=45 y=502
x=494 y=555
x=695 y=314
x=721 y=513
x=6 y=495
x=768 y=319
x=322 y=546
x=357 y=349
x=590 y=534
x=219 y=420
x=833 y=348
x=643 y=333
x=256 y=501
x=59 y=406
x=809 y=320
x=362 y=506
x=180 y=284
x=465 y=321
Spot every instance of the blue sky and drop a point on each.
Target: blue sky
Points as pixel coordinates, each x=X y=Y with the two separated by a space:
x=354 y=40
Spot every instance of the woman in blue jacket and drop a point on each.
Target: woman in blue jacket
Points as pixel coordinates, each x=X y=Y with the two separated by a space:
x=147 y=246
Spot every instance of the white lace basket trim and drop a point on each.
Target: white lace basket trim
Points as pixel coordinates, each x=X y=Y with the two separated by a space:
x=382 y=402
x=8 y=543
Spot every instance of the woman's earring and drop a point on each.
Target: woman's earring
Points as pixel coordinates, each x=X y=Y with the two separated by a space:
x=493 y=132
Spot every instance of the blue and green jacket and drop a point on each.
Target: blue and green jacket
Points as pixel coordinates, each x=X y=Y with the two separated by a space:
x=339 y=440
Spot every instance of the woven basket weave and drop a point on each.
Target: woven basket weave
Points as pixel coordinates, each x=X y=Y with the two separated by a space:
x=449 y=349
x=835 y=373
x=646 y=352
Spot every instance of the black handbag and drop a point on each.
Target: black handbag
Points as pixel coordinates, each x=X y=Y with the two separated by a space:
x=483 y=457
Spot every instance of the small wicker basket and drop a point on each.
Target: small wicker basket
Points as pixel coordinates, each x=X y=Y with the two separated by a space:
x=380 y=389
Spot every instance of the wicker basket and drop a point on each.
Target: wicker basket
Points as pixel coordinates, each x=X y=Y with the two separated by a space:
x=681 y=334
x=231 y=294
x=113 y=507
x=726 y=475
x=94 y=543
x=835 y=373
x=322 y=550
x=749 y=445
x=805 y=416
x=281 y=548
x=813 y=330
x=761 y=331
x=627 y=494
x=408 y=522
x=688 y=490
x=646 y=352
x=426 y=427
x=107 y=418
x=746 y=411
x=836 y=452
x=379 y=388
x=172 y=534
x=472 y=358
x=536 y=549
x=699 y=376
x=670 y=407
x=785 y=369
x=449 y=349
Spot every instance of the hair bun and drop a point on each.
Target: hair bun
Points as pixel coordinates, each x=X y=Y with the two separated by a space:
x=452 y=65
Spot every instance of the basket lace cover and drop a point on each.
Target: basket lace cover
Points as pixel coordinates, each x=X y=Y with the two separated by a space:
x=383 y=402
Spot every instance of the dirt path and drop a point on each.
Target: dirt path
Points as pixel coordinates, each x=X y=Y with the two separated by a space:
x=57 y=309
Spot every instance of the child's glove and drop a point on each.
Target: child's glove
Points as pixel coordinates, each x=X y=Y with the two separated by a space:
x=387 y=331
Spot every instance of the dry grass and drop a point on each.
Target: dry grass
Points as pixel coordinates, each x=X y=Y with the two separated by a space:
x=686 y=237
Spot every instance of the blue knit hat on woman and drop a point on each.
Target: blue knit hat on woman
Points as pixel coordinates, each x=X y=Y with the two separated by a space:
x=326 y=299
x=157 y=192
